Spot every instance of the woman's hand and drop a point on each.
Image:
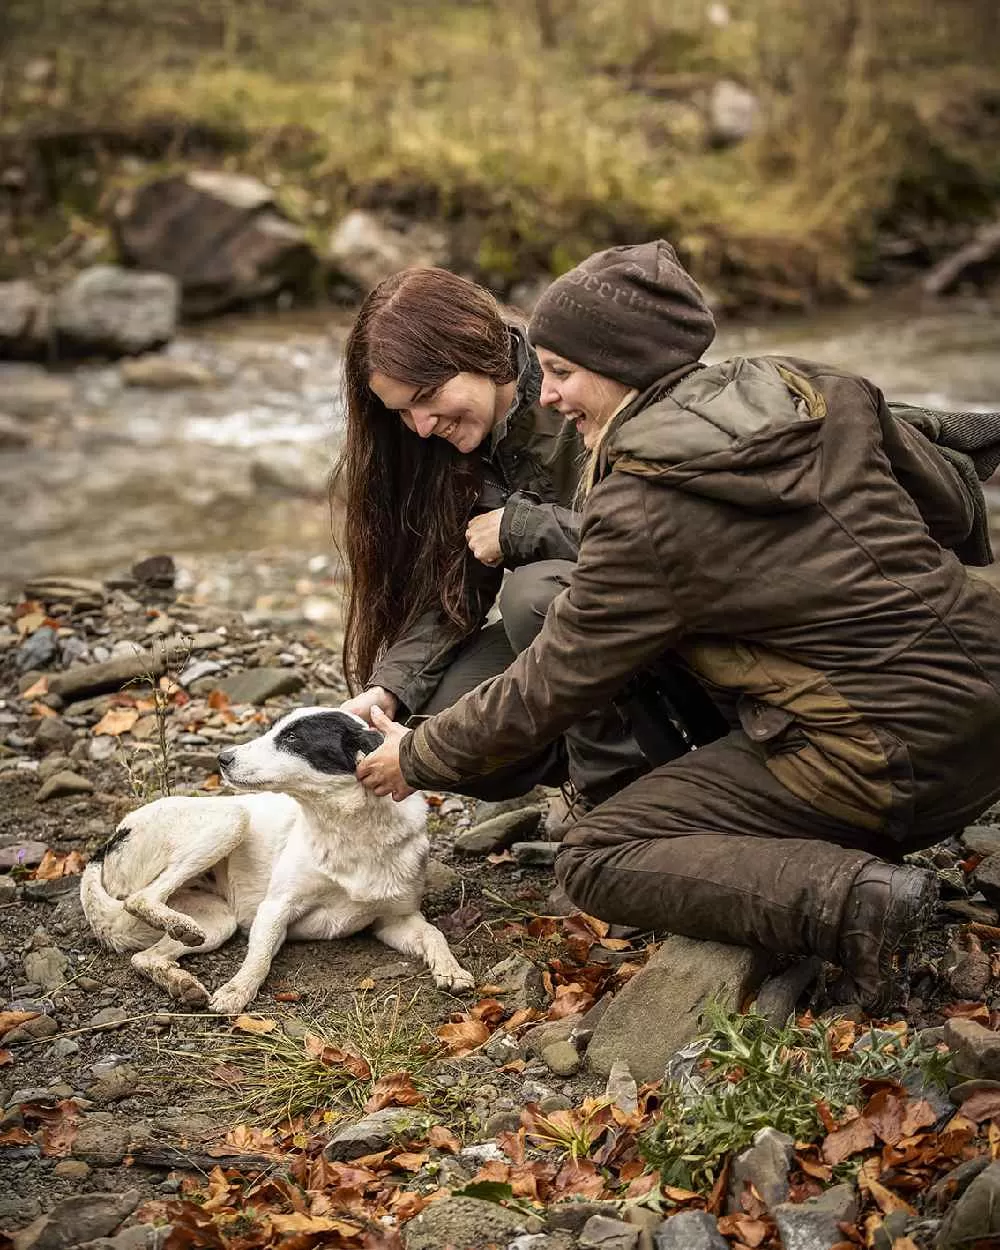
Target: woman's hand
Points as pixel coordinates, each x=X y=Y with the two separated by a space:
x=483 y=537
x=379 y=771
x=364 y=704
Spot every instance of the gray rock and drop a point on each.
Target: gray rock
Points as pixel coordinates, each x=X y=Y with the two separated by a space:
x=61 y=784
x=81 y=592
x=812 y=1225
x=32 y=392
x=221 y=235
x=733 y=112
x=122 y=1082
x=42 y=891
x=976 y=1215
x=80 y=1218
x=375 y=1132
x=37 y=651
x=466 y=1222
x=197 y=669
x=987 y=877
x=62 y=1048
x=108 y=1018
x=602 y=1233
x=689 y=1230
x=365 y=250
x=499 y=832
x=31 y=1031
x=519 y=981
x=54 y=734
x=164 y=373
x=572 y=1215
x=439 y=879
x=257 y=685
x=72 y=1169
x=22 y=855
x=982 y=839
x=103 y=1138
x=541 y=854
x=534 y=1041
x=47 y=966
x=119 y=311
x=975 y=1050
x=954 y=1183
x=621 y=1088
x=967 y=969
x=659 y=1010
x=53 y=764
x=24 y=321
x=8 y=894
x=561 y=1058
x=780 y=994
x=765 y=1165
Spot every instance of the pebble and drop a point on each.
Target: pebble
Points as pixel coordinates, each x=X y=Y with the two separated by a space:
x=71 y=1169
x=62 y=784
x=109 y=1018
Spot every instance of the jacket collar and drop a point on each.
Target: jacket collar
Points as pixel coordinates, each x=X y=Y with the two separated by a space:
x=528 y=389
x=663 y=386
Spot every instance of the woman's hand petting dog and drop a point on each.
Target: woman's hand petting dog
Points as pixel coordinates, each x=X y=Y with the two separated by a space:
x=483 y=537
x=375 y=696
x=379 y=771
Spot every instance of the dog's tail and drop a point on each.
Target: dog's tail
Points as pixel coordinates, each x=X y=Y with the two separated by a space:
x=112 y=925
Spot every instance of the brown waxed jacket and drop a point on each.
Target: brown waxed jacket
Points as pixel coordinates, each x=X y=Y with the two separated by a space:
x=771 y=522
x=531 y=468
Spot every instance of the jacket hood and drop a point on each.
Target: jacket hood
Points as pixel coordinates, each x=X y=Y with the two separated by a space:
x=747 y=432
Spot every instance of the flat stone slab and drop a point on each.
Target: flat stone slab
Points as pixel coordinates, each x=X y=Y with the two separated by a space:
x=376 y=1132
x=660 y=1010
x=467 y=1222
x=257 y=685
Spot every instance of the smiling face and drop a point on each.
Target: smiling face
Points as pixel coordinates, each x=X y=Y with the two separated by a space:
x=587 y=399
x=463 y=410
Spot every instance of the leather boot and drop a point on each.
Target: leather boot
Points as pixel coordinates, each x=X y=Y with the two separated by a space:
x=886 y=913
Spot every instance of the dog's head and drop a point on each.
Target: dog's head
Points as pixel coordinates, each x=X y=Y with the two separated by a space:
x=307 y=750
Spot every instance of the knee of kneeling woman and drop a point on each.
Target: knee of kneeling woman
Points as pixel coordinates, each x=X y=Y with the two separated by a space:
x=577 y=872
x=525 y=596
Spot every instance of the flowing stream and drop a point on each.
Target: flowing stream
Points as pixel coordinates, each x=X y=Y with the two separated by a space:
x=229 y=477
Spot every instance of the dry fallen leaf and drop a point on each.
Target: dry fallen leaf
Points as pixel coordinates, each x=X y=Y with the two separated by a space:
x=253 y=1024
x=115 y=721
x=462 y=1037
x=394 y=1090
x=443 y=1139
x=336 y=1057
x=848 y=1140
x=53 y=866
x=36 y=689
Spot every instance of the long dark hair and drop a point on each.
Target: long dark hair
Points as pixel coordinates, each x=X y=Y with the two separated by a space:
x=406 y=500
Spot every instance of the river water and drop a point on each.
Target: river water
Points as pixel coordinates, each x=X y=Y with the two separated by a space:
x=230 y=477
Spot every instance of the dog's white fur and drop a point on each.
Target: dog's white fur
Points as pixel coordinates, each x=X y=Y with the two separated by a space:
x=323 y=858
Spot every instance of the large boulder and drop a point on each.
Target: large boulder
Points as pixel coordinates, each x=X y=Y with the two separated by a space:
x=364 y=250
x=661 y=1009
x=24 y=321
x=116 y=311
x=221 y=235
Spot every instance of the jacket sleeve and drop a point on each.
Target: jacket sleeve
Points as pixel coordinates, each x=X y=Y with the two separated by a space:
x=927 y=476
x=412 y=667
x=617 y=615
x=531 y=530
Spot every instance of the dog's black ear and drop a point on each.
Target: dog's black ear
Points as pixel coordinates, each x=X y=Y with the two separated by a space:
x=329 y=742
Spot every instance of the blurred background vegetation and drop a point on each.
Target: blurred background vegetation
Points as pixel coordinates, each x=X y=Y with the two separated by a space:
x=535 y=130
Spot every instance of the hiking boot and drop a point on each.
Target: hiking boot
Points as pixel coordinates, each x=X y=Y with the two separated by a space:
x=565 y=809
x=888 y=908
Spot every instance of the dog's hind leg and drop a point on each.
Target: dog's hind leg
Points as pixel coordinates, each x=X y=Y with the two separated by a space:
x=214 y=838
x=159 y=961
x=413 y=935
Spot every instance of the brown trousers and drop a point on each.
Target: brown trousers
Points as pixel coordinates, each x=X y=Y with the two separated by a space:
x=712 y=846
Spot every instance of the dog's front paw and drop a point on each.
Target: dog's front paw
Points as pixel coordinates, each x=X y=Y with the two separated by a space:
x=229 y=999
x=187 y=989
x=454 y=979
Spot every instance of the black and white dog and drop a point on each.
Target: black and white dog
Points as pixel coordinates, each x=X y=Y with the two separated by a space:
x=313 y=856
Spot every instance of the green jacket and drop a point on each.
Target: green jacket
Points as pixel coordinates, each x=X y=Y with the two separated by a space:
x=771 y=522
x=531 y=468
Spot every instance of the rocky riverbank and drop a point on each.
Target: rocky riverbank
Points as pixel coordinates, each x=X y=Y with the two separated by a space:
x=355 y=1105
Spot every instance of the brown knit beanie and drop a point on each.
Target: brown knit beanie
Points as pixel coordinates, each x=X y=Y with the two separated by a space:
x=630 y=313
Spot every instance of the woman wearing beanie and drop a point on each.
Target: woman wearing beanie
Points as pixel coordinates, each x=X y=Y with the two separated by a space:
x=774 y=525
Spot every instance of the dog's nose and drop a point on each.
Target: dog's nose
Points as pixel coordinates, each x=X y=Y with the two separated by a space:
x=227 y=756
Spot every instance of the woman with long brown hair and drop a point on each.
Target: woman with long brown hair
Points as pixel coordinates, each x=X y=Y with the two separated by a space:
x=450 y=475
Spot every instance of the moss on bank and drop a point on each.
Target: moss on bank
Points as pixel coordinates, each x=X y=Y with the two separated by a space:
x=536 y=130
